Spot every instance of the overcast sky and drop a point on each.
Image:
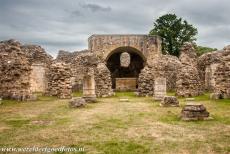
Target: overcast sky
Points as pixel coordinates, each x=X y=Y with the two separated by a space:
x=67 y=24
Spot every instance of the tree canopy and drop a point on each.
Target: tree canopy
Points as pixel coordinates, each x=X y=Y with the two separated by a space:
x=202 y=50
x=174 y=32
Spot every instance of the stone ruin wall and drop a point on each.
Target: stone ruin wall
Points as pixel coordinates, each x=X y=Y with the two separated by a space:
x=222 y=75
x=30 y=69
x=14 y=71
x=188 y=80
x=40 y=62
x=74 y=59
x=208 y=65
x=101 y=73
x=59 y=80
x=165 y=66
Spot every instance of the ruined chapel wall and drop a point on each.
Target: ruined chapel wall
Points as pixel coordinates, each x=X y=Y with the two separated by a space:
x=14 y=71
x=164 y=66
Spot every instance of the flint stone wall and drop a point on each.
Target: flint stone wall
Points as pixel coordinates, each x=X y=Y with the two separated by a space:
x=37 y=55
x=14 y=71
x=59 y=80
x=165 y=66
x=222 y=79
x=188 y=80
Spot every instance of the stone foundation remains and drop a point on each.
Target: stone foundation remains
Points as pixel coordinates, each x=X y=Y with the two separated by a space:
x=194 y=112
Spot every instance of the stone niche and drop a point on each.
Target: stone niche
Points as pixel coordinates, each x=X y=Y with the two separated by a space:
x=38 y=79
x=159 y=88
x=126 y=84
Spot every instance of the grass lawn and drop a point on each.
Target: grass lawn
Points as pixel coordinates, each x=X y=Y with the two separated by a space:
x=113 y=127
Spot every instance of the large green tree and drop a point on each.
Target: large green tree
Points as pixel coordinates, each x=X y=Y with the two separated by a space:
x=174 y=32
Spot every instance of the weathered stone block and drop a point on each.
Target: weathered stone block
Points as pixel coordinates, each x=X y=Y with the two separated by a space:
x=193 y=111
x=126 y=84
x=170 y=101
x=159 y=88
x=77 y=102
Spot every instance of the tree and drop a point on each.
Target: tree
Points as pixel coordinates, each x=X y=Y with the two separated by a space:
x=202 y=50
x=174 y=33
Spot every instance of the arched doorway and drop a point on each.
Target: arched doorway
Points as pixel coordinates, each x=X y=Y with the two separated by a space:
x=125 y=76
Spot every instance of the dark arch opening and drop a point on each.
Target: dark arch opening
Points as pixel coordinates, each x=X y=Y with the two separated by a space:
x=137 y=62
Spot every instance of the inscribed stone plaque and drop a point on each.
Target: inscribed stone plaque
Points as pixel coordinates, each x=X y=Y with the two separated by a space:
x=159 y=88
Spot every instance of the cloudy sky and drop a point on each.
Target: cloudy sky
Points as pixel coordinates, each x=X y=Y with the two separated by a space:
x=67 y=24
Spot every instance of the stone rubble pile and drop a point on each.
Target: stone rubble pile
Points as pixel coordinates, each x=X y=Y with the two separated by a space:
x=77 y=102
x=14 y=72
x=188 y=80
x=59 y=80
x=169 y=101
x=193 y=111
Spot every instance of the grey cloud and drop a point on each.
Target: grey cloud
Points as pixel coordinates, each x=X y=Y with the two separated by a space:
x=95 y=7
x=58 y=24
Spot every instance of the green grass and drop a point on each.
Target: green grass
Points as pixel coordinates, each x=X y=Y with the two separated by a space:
x=114 y=127
x=77 y=94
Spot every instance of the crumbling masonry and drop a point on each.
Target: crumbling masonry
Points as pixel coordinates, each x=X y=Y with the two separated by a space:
x=116 y=62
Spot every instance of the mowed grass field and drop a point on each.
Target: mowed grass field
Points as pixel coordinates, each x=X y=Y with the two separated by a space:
x=112 y=127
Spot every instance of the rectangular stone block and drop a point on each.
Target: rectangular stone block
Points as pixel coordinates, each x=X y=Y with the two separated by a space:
x=159 y=88
x=126 y=84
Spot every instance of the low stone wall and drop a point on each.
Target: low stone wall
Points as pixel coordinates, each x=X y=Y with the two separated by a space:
x=59 y=80
x=14 y=71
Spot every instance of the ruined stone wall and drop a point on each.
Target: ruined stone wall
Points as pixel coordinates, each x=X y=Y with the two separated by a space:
x=222 y=79
x=102 y=77
x=166 y=66
x=37 y=55
x=40 y=62
x=74 y=59
x=188 y=81
x=104 y=45
x=207 y=64
x=14 y=71
x=222 y=74
x=103 y=81
x=59 y=80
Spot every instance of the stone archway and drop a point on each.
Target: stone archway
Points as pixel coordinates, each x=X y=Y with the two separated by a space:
x=125 y=78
